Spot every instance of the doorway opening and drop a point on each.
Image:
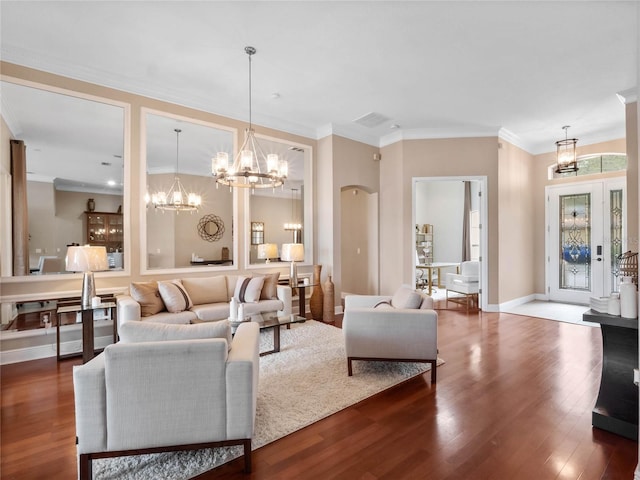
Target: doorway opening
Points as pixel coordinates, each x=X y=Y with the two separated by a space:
x=448 y=217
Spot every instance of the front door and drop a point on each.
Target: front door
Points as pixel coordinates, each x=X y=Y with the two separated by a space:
x=585 y=235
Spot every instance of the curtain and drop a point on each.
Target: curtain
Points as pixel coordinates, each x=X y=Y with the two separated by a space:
x=466 y=239
x=19 y=216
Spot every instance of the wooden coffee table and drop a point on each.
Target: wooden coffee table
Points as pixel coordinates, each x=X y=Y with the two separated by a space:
x=273 y=321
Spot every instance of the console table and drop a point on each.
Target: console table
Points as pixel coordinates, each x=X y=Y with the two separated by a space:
x=88 y=350
x=616 y=408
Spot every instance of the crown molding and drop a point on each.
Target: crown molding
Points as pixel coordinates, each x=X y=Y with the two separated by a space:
x=628 y=96
x=437 y=133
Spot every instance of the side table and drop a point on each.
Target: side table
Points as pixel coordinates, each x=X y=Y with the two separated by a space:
x=88 y=349
x=616 y=408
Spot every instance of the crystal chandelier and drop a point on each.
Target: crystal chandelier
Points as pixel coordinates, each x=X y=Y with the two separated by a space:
x=246 y=170
x=566 y=153
x=177 y=199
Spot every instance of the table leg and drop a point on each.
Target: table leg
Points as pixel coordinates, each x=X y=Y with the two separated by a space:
x=87 y=335
x=430 y=270
x=301 y=301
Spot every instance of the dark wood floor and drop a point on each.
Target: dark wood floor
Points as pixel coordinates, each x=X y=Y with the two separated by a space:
x=513 y=401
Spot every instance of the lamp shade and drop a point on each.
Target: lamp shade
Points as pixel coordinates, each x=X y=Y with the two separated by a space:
x=86 y=259
x=292 y=252
x=267 y=250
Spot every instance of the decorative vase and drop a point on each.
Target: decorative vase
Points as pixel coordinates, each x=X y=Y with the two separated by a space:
x=317 y=296
x=628 y=298
x=329 y=306
x=91 y=205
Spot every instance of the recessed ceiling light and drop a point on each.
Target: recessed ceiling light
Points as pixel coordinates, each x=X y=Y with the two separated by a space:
x=394 y=126
x=275 y=95
x=111 y=183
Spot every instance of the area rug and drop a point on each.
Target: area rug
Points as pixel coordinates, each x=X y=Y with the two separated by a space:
x=303 y=383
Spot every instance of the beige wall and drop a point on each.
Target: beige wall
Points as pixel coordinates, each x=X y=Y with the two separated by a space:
x=341 y=163
x=403 y=161
x=540 y=180
x=134 y=204
x=516 y=228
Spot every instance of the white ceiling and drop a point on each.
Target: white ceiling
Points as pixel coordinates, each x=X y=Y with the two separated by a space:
x=435 y=69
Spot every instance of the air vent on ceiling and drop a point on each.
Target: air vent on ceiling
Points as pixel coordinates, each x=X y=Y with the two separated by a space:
x=371 y=120
x=105 y=164
x=297 y=149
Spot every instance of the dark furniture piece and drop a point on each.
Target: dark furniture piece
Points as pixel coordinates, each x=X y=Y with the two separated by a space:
x=616 y=408
x=75 y=306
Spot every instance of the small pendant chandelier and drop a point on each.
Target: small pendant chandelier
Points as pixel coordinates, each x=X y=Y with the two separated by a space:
x=566 y=160
x=177 y=199
x=251 y=167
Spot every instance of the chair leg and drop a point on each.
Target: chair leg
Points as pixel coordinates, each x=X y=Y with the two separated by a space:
x=349 y=369
x=247 y=456
x=85 y=467
x=433 y=370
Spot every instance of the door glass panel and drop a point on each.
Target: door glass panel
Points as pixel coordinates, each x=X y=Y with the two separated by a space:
x=615 y=220
x=575 y=238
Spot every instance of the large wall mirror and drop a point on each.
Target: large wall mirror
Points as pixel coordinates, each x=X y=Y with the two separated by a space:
x=75 y=175
x=179 y=148
x=286 y=213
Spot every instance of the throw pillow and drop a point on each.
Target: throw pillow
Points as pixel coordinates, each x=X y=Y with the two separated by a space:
x=270 y=287
x=174 y=296
x=148 y=296
x=248 y=289
x=207 y=289
x=137 y=332
x=405 y=297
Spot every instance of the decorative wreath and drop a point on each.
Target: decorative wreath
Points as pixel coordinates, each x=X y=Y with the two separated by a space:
x=205 y=224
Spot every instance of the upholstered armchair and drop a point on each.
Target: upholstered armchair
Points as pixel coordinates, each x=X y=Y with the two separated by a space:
x=401 y=328
x=466 y=283
x=168 y=388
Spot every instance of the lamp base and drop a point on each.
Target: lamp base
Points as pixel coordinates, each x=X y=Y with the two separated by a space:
x=88 y=289
x=293 y=275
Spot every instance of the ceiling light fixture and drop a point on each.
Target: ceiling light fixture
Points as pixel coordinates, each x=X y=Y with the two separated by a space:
x=246 y=172
x=566 y=159
x=177 y=199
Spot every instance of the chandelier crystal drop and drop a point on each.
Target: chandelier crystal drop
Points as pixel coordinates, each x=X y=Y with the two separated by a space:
x=566 y=160
x=177 y=199
x=251 y=168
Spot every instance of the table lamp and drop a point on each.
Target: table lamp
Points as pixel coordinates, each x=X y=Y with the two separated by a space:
x=86 y=259
x=293 y=252
x=267 y=251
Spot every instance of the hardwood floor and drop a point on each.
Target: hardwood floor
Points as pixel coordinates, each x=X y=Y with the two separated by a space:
x=513 y=401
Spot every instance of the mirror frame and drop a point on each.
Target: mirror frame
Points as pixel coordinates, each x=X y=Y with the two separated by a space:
x=143 y=210
x=7 y=240
x=307 y=216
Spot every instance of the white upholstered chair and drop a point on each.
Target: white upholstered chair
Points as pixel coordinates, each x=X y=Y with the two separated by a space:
x=168 y=388
x=465 y=283
x=401 y=328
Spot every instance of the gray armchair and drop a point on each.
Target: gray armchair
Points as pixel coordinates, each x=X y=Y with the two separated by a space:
x=401 y=328
x=168 y=388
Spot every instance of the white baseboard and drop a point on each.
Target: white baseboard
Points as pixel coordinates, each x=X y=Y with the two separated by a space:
x=48 y=350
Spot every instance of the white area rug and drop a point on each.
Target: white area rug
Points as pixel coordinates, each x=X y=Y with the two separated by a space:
x=303 y=383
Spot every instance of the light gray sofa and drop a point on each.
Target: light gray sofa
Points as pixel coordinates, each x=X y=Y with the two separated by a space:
x=210 y=298
x=168 y=388
x=402 y=328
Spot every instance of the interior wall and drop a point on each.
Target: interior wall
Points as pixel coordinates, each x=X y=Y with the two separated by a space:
x=431 y=158
x=441 y=204
x=6 y=242
x=358 y=247
x=539 y=180
x=516 y=228
x=350 y=163
x=274 y=212
x=134 y=209
x=56 y=218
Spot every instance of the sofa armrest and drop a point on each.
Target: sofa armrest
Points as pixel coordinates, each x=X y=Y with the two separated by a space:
x=128 y=309
x=243 y=365
x=284 y=294
x=390 y=333
x=364 y=301
x=90 y=405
